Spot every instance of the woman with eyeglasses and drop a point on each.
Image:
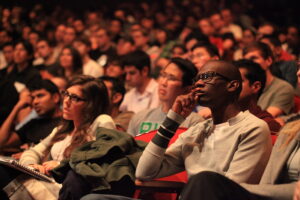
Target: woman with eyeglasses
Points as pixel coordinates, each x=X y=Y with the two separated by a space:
x=85 y=107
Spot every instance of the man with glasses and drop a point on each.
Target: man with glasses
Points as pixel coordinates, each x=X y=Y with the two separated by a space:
x=175 y=79
x=234 y=143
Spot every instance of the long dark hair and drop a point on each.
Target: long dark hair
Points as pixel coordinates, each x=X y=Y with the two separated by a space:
x=97 y=102
x=76 y=60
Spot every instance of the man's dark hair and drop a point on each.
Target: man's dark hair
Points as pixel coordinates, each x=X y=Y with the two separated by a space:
x=43 y=84
x=139 y=59
x=272 y=39
x=188 y=69
x=254 y=72
x=83 y=40
x=7 y=44
x=263 y=48
x=50 y=43
x=198 y=35
x=127 y=39
x=211 y=49
x=117 y=86
x=181 y=46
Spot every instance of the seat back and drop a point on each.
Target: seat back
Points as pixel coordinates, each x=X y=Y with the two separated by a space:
x=296 y=104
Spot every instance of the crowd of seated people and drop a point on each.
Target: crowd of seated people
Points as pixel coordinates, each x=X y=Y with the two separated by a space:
x=227 y=77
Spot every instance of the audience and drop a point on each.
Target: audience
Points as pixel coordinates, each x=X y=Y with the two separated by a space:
x=90 y=67
x=44 y=98
x=277 y=97
x=139 y=44
x=144 y=93
x=85 y=107
x=254 y=80
x=278 y=181
x=116 y=92
x=174 y=80
x=218 y=87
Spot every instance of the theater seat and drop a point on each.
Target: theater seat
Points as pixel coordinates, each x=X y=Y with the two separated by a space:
x=166 y=188
x=296 y=104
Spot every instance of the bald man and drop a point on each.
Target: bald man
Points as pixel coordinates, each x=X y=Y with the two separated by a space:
x=233 y=143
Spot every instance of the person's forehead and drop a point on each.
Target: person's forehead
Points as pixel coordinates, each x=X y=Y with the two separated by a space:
x=255 y=53
x=172 y=68
x=42 y=44
x=200 y=49
x=39 y=91
x=130 y=68
x=211 y=66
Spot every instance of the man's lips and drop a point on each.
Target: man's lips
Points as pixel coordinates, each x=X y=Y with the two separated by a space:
x=162 y=91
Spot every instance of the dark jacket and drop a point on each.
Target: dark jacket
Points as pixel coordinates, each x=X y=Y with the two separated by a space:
x=113 y=156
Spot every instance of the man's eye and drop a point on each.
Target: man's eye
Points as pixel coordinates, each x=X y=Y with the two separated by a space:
x=74 y=98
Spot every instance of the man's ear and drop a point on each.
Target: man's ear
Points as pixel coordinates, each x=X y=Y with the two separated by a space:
x=256 y=87
x=145 y=71
x=116 y=98
x=269 y=61
x=233 y=85
x=56 y=98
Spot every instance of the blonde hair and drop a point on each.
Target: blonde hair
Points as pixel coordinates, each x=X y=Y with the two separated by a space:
x=290 y=129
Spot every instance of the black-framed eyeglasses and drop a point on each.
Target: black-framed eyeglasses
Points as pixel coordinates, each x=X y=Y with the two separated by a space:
x=208 y=76
x=72 y=97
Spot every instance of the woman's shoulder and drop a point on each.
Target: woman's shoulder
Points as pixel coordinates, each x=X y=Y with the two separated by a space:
x=103 y=120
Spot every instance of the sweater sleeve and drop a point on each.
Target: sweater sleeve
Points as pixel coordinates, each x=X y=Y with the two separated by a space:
x=275 y=192
x=37 y=153
x=151 y=162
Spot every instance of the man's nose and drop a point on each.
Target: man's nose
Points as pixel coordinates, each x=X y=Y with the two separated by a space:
x=199 y=83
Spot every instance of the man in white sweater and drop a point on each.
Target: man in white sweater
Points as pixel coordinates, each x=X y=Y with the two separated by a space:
x=233 y=143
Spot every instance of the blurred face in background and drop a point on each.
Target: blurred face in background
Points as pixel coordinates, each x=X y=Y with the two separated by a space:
x=43 y=49
x=21 y=55
x=66 y=58
x=60 y=32
x=69 y=35
x=8 y=52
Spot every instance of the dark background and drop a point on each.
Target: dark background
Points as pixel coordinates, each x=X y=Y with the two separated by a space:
x=281 y=12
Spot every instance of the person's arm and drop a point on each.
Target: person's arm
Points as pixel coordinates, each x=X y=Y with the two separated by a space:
x=275 y=111
x=7 y=126
x=36 y=154
x=275 y=192
x=297 y=191
x=282 y=101
x=154 y=163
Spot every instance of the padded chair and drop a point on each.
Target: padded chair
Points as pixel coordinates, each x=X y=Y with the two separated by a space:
x=166 y=188
x=296 y=104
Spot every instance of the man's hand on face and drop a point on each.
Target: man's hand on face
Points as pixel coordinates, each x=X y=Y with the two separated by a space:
x=184 y=104
x=24 y=100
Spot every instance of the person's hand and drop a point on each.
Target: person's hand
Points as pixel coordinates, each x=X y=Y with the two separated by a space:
x=49 y=165
x=39 y=168
x=17 y=156
x=297 y=191
x=184 y=104
x=24 y=100
x=280 y=121
x=205 y=113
